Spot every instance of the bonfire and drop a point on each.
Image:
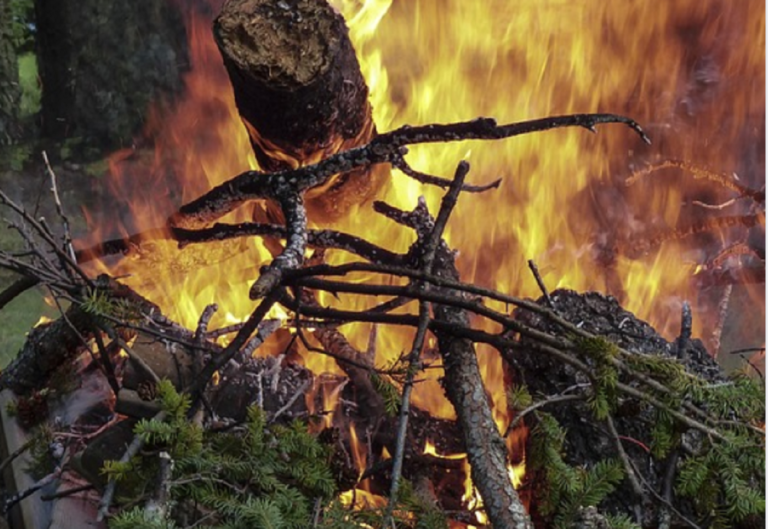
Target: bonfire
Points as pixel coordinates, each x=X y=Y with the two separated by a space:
x=333 y=318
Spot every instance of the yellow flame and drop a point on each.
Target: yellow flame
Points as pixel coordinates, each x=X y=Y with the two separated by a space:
x=688 y=72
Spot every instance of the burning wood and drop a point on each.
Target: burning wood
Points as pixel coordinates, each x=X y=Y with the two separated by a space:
x=220 y=419
x=299 y=91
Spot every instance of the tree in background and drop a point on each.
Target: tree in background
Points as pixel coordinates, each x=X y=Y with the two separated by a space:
x=101 y=65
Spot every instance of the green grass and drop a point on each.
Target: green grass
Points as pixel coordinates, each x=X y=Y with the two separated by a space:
x=30 y=86
x=17 y=318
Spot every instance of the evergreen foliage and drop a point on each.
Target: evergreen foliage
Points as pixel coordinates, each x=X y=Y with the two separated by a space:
x=603 y=398
x=568 y=488
x=251 y=477
x=389 y=393
x=724 y=480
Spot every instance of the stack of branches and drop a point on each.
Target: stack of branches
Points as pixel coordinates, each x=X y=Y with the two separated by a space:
x=708 y=435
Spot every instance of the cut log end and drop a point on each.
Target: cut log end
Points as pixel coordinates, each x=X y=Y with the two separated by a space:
x=298 y=89
x=286 y=45
x=297 y=82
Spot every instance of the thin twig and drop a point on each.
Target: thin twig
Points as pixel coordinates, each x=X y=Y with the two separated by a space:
x=540 y=404
x=202 y=324
x=540 y=282
x=298 y=393
x=132 y=450
x=428 y=249
x=60 y=209
x=636 y=487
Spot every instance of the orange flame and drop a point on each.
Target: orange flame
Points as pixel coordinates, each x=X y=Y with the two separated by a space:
x=685 y=70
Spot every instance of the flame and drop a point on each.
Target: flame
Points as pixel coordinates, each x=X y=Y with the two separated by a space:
x=42 y=321
x=683 y=69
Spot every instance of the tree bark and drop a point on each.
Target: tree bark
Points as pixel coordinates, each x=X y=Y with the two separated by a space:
x=299 y=91
x=10 y=92
x=486 y=451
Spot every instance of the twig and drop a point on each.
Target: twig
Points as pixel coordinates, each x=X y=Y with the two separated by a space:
x=540 y=282
x=540 y=404
x=445 y=183
x=136 y=359
x=385 y=148
x=68 y=492
x=106 y=361
x=428 y=249
x=17 y=288
x=265 y=330
x=726 y=180
x=722 y=314
x=661 y=499
x=60 y=209
x=298 y=393
x=16 y=453
x=202 y=325
x=220 y=360
x=46 y=236
x=292 y=204
x=156 y=508
x=59 y=454
x=747 y=350
x=130 y=452
x=636 y=487
x=686 y=328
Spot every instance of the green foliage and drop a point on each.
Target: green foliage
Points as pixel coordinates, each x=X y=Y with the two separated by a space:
x=30 y=86
x=620 y=521
x=727 y=480
x=41 y=462
x=255 y=476
x=663 y=435
x=99 y=303
x=388 y=392
x=22 y=18
x=724 y=480
x=602 y=352
x=518 y=397
x=568 y=488
x=136 y=519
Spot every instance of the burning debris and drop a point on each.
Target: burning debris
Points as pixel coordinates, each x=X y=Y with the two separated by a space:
x=217 y=426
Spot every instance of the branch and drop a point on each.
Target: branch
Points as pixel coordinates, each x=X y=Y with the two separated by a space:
x=428 y=249
x=385 y=148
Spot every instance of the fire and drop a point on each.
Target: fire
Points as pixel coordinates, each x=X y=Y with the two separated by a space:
x=562 y=201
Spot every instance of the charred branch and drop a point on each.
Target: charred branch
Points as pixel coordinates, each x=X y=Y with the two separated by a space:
x=385 y=148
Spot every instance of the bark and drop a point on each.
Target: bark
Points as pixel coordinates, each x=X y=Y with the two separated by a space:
x=48 y=347
x=299 y=90
x=486 y=450
x=10 y=92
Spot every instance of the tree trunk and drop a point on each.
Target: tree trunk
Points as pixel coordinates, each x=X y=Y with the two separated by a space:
x=299 y=90
x=10 y=93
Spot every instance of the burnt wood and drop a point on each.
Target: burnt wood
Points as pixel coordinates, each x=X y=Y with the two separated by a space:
x=299 y=90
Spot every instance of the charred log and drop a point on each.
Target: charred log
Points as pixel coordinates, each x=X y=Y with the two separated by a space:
x=48 y=347
x=298 y=89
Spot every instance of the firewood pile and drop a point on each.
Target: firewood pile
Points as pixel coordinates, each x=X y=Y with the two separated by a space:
x=624 y=428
